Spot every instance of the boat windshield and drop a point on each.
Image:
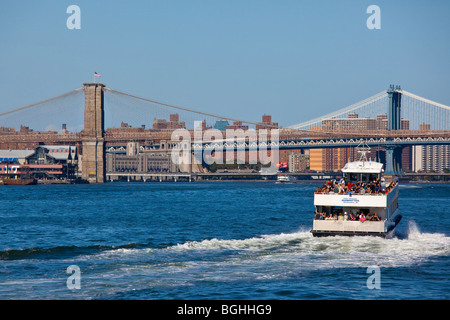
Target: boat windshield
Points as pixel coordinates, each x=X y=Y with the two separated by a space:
x=362 y=177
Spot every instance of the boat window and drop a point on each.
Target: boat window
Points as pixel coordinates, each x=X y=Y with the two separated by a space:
x=365 y=211
x=336 y=210
x=323 y=209
x=368 y=212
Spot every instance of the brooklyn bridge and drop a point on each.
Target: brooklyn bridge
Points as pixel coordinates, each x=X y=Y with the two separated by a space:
x=405 y=131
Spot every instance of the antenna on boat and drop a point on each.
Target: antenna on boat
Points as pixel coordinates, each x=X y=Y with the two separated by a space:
x=363 y=149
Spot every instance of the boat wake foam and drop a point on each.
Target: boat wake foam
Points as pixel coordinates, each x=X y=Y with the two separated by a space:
x=408 y=248
x=283 y=256
x=264 y=242
x=59 y=252
x=299 y=247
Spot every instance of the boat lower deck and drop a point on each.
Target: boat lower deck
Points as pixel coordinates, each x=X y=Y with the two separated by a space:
x=317 y=233
x=349 y=226
x=322 y=228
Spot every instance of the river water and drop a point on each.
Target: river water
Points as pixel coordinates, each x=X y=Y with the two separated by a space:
x=200 y=240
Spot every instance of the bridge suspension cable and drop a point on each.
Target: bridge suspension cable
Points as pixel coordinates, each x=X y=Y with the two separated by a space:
x=41 y=102
x=341 y=112
x=423 y=113
x=424 y=100
x=177 y=107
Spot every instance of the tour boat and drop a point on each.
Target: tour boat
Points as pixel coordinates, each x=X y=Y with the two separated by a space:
x=16 y=175
x=18 y=181
x=339 y=204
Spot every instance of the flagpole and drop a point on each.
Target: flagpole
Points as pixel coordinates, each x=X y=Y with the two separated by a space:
x=96 y=75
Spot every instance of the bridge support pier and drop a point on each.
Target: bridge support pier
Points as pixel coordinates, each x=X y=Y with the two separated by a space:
x=93 y=141
x=394 y=108
x=393 y=160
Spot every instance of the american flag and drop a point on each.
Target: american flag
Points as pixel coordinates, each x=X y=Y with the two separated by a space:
x=96 y=74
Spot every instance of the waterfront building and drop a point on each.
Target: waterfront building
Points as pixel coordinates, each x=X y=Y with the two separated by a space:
x=237 y=125
x=333 y=159
x=430 y=158
x=266 y=123
x=353 y=122
x=173 y=123
x=53 y=155
x=43 y=162
x=136 y=161
x=221 y=124
x=299 y=162
x=19 y=156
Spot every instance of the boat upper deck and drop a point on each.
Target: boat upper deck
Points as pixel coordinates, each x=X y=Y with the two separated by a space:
x=360 y=178
x=356 y=188
x=358 y=194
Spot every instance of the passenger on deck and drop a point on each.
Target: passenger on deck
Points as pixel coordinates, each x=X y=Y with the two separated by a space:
x=336 y=188
x=378 y=186
x=342 y=187
x=341 y=217
x=352 y=217
x=375 y=217
x=317 y=215
x=362 y=217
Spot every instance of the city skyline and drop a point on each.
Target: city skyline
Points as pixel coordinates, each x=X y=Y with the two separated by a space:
x=295 y=60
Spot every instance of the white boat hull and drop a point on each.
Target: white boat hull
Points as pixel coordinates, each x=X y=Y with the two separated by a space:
x=383 y=229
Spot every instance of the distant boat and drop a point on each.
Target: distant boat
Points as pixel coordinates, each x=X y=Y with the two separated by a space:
x=283 y=178
x=18 y=182
x=16 y=178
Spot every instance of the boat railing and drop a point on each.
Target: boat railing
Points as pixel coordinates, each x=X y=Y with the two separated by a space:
x=367 y=220
x=349 y=226
x=353 y=191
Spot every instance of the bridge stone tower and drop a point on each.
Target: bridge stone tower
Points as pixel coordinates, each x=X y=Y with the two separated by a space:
x=393 y=153
x=395 y=107
x=93 y=141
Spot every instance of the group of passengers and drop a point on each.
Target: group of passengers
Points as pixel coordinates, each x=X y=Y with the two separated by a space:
x=359 y=216
x=347 y=187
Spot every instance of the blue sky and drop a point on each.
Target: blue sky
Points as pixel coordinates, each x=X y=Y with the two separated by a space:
x=295 y=60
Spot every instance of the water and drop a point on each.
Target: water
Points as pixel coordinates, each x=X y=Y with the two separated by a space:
x=212 y=241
